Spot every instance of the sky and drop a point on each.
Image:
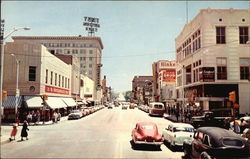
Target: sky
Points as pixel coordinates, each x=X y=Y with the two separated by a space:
x=134 y=33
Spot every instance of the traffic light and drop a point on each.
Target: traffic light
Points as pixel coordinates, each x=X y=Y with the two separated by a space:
x=232 y=97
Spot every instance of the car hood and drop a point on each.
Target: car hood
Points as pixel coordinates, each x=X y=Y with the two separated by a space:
x=182 y=133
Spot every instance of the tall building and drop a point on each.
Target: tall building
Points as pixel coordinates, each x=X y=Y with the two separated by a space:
x=213 y=56
x=164 y=74
x=142 y=89
x=87 y=49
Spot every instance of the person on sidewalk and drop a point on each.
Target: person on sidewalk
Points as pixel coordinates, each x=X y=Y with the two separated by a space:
x=24 y=132
x=13 y=132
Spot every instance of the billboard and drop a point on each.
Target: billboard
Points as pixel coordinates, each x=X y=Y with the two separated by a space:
x=207 y=74
x=168 y=76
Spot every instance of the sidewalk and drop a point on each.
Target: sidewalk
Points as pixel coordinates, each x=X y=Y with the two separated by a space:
x=6 y=128
x=173 y=118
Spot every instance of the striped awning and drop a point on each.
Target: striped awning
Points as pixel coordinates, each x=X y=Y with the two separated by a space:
x=33 y=101
x=10 y=103
x=55 y=102
x=70 y=102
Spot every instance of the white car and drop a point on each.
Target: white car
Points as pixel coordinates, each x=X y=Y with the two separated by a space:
x=75 y=114
x=176 y=133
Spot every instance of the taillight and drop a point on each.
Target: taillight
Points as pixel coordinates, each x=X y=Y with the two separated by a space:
x=174 y=135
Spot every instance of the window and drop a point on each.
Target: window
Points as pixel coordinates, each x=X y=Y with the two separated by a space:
x=59 y=82
x=55 y=79
x=90 y=58
x=243 y=32
x=62 y=81
x=32 y=73
x=221 y=68
x=51 y=77
x=90 y=65
x=46 y=76
x=90 y=51
x=244 y=69
x=220 y=35
x=68 y=83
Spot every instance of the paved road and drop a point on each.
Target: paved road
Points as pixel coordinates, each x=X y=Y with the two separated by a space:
x=104 y=134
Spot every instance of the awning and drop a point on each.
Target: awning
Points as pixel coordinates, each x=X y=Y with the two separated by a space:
x=84 y=102
x=10 y=103
x=70 y=102
x=33 y=101
x=79 y=103
x=55 y=102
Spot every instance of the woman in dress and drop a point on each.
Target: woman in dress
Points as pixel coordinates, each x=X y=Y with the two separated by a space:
x=13 y=132
x=24 y=132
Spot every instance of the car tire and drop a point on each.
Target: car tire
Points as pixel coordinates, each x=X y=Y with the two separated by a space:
x=205 y=155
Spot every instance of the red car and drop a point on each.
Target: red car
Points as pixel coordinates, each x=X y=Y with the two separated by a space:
x=146 y=133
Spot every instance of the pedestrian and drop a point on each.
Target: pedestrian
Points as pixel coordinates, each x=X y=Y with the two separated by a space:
x=24 y=132
x=38 y=117
x=29 y=118
x=13 y=132
x=236 y=127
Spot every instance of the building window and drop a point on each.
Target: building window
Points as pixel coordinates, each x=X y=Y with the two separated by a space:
x=46 y=76
x=82 y=51
x=90 y=72
x=62 y=81
x=220 y=35
x=243 y=32
x=244 y=69
x=55 y=79
x=32 y=73
x=90 y=51
x=90 y=65
x=221 y=68
x=59 y=82
x=68 y=83
x=51 y=77
x=90 y=58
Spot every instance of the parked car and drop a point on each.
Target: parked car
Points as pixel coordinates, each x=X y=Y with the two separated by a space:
x=124 y=106
x=75 y=114
x=215 y=142
x=146 y=133
x=131 y=106
x=245 y=122
x=176 y=133
x=156 y=108
x=110 y=106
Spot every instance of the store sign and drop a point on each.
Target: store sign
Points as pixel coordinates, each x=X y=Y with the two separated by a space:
x=50 y=89
x=207 y=74
x=169 y=76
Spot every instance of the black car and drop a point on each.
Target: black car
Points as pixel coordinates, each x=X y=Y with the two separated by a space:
x=215 y=142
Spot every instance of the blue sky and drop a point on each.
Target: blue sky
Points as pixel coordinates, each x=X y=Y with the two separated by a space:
x=134 y=33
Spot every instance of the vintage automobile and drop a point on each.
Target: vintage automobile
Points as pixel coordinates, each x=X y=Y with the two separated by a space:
x=245 y=122
x=156 y=108
x=75 y=114
x=208 y=119
x=110 y=106
x=215 y=142
x=176 y=133
x=124 y=106
x=146 y=133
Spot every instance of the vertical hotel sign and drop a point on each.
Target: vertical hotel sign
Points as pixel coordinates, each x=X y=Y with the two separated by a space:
x=50 y=89
x=169 y=76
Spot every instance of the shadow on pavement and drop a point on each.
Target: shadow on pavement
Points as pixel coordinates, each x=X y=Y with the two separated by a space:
x=173 y=149
x=145 y=147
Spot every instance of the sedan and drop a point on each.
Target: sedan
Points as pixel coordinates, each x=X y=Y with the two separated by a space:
x=75 y=114
x=146 y=133
x=176 y=133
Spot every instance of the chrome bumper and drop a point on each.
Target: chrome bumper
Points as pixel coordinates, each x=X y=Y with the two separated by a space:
x=148 y=143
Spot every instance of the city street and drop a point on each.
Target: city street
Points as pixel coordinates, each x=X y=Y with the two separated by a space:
x=104 y=134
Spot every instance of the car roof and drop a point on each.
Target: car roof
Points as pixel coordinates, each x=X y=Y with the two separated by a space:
x=218 y=133
x=145 y=123
x=156 y=103
x=181 y=125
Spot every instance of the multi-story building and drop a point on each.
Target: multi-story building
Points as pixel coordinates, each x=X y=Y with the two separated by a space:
x=87 y=88
x=213 y=56
x=87 y=49
x=39 y=73
x=164 y=74
x=142 y=89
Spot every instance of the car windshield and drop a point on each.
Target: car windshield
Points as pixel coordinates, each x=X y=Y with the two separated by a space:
x=147 y=127
x=232 y=142
x=75 y=111
x=185 y=129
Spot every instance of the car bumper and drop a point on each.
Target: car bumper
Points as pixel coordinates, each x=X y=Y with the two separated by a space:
x=148 y=143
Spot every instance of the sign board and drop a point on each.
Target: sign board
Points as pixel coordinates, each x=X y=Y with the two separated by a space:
x=207 y=74
x=50 y=89
x=91 y=24
x=168 y=76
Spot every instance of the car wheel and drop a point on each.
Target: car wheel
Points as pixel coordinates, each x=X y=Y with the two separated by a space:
x=205 y=155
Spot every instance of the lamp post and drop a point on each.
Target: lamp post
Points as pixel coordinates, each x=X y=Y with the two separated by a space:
x=17 y=79
x=2 y=63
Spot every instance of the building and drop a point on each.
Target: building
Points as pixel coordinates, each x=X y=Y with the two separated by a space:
x=164 y=79
x=87 y=49
x=75 y=73
x=212 y=52
x=40 y=72
x=142 y=89
x=87 y=89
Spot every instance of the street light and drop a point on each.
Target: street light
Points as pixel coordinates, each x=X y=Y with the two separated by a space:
x=17 y=78
x=2 y=62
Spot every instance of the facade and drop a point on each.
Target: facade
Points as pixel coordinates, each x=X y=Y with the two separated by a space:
x=75 y=73
x=213 y=59
x=40 y=73
x=87 y=88
x=164 y=79
x=142 y=89
x=87 y=49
